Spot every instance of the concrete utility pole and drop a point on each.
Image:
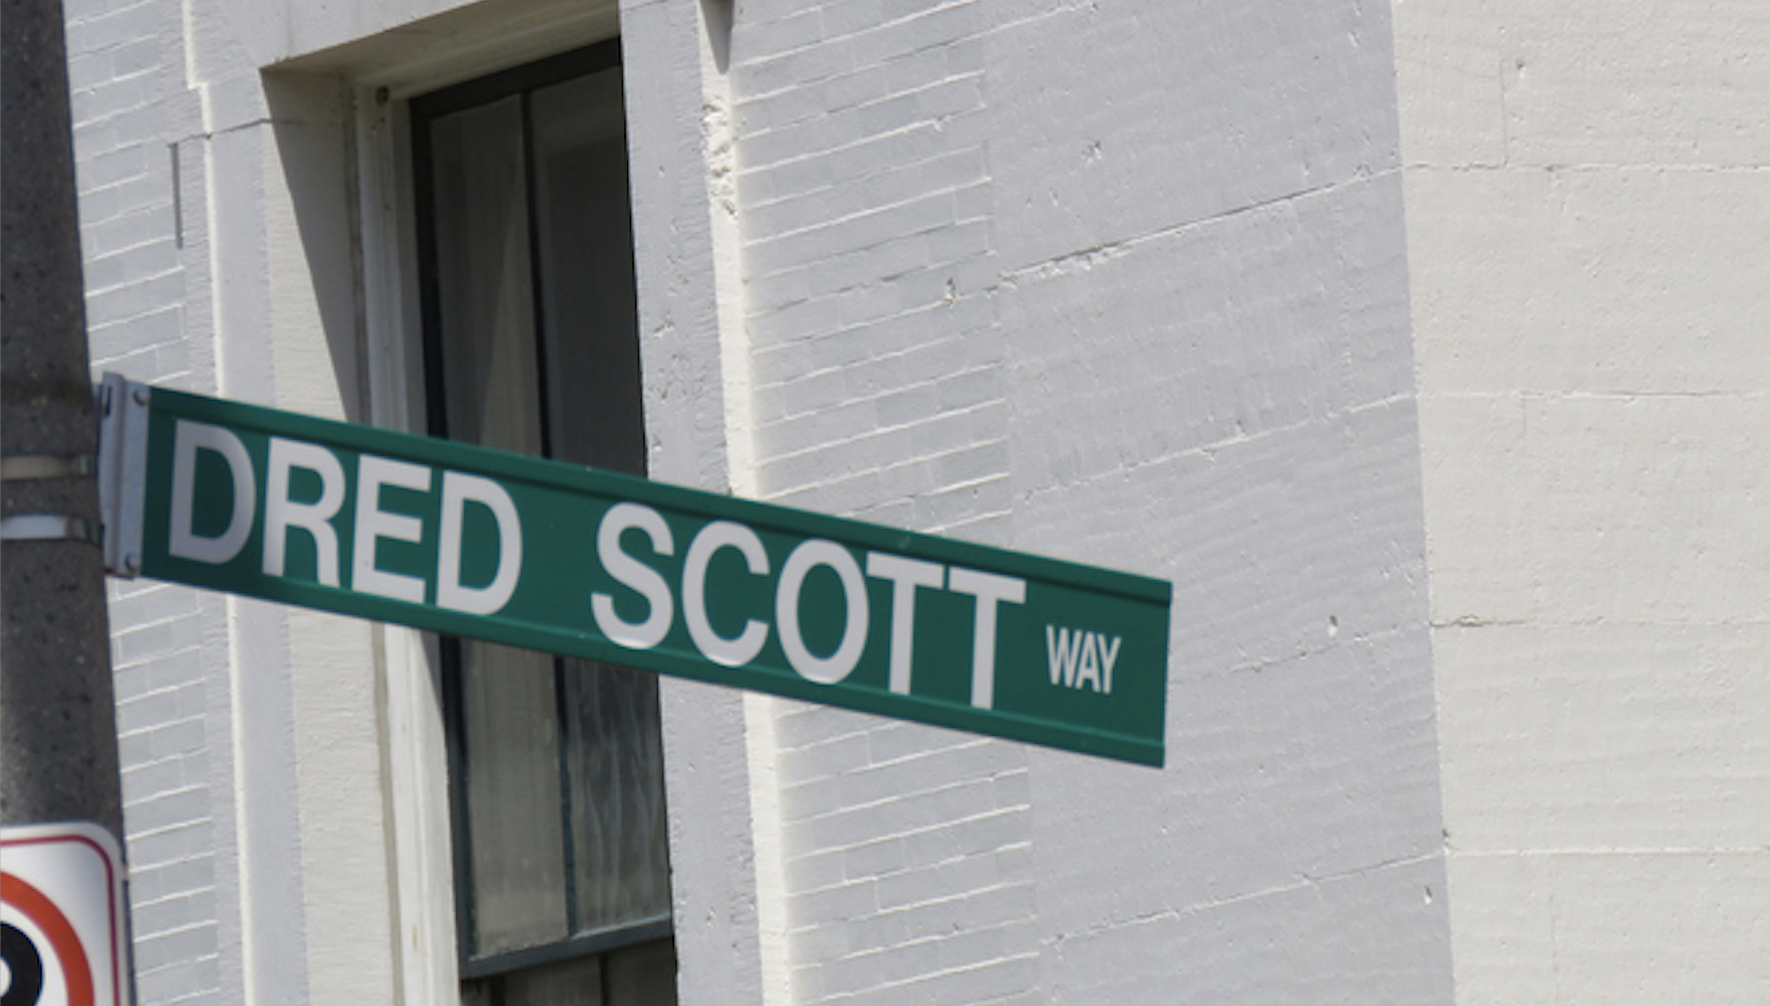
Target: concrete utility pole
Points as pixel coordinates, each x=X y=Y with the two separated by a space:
x=58 y=734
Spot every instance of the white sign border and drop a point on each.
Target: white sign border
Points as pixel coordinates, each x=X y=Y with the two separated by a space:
x=84 y=837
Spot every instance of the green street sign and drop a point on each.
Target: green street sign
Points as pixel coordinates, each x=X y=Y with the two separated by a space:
x=490 y=545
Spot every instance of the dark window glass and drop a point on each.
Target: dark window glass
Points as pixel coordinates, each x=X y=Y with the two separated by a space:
x=532 y=345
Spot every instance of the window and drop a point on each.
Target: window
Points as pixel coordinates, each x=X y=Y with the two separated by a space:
x=531 y=345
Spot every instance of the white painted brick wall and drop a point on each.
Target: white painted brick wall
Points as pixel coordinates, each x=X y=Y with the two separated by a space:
x=876 y=364
x=1585 y=188
x=126 y=70
x=1121 y=282
x=1124 y=283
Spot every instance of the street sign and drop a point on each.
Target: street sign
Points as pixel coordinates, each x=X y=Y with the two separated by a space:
x=61 y=916
x=553 y=557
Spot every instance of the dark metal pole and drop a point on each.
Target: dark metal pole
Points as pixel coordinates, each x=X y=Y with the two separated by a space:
x=58 y=736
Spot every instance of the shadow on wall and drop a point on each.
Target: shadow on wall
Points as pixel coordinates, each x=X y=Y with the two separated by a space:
x=717 y=16
x=315 y=210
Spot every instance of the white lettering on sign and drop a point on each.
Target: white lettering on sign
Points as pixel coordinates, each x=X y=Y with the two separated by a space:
x=284 y=515
x=458 y=490
x=374 y=524
x=803 y=559
x=185 y=543
x=904 y=575
x=293 y=505
x=989 y=589
x=1080 y=658
x=281 y=512
x=630 y=572
x=742 y=649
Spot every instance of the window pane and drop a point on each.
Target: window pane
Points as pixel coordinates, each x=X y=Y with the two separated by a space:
x=613 y=751
x=574 y=983
x=587 y=296
x=485 y=297
x=512 y=771
x=509 y=715
x=644 y=975
x=534 y=347
x=615 y=766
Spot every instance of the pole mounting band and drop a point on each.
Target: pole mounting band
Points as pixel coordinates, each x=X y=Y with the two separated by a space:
x=49 y=527
x=31 y=467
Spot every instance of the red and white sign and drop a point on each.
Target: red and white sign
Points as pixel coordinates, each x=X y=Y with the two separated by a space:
x=61 y=916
